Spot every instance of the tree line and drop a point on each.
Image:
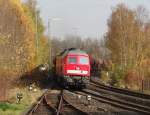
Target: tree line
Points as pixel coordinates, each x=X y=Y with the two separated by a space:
x=128 y=39
x=23 y=45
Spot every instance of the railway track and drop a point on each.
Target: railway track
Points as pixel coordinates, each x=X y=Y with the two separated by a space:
x=124 y=96
x=117 y=103
x=66 y=103
x=41 y=107
x=132 y=96
x=120 y=97
x=120 y=90
x=67 y=106
x=105 y=100
x=55 y=103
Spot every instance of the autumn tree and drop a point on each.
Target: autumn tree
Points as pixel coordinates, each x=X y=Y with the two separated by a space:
x=120 y=35
x=128 y=39
x=20 y=29
x=16 y=55
x=142 y=40
x=41 y=41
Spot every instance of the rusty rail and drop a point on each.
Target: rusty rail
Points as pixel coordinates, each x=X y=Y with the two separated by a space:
x=34 y=107
x=60 y=105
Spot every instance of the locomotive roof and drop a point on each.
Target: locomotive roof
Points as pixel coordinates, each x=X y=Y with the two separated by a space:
x=72 y=51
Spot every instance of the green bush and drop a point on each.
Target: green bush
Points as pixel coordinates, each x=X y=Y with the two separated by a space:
x=117 y=76
x=6 y=106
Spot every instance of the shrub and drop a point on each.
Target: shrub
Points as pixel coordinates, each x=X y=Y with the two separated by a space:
x=133 y=80
x=105 y=77
x=117 y=76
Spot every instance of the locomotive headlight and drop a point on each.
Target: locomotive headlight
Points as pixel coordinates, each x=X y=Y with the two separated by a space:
x=42 y=68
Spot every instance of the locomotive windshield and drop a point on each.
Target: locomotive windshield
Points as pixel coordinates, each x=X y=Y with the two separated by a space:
x=84 y=60
x=72 y=60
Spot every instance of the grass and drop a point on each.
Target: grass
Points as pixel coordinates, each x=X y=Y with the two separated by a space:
x=6 y=106
x=14 y=108
x=10 y=109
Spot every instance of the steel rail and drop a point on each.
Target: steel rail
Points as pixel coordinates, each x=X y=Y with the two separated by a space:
x=121 y=90
x=73 y=105
x=117 y=102
x=109 y=92
x=60 y=105
x=36 y=104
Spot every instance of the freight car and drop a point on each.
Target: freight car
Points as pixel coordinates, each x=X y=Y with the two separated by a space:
x=72 y=68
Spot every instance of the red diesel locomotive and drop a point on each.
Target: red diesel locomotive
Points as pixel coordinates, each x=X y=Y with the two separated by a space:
x=72 y=67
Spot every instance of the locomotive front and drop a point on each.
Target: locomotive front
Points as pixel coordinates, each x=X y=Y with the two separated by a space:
x=75 y=68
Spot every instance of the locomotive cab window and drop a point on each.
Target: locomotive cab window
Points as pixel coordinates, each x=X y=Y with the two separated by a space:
x=72 y=60
x=84 y=60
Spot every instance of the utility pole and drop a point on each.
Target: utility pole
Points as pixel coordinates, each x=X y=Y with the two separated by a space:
x=49 y=42
x=50 y=39
x=36 y=37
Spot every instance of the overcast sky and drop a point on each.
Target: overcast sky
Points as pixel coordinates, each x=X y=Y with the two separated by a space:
x=87 y=18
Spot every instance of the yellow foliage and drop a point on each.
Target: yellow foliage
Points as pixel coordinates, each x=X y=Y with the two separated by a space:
x=24 y=49
x=4 y=39
x=21 y=12
x=19 y=42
